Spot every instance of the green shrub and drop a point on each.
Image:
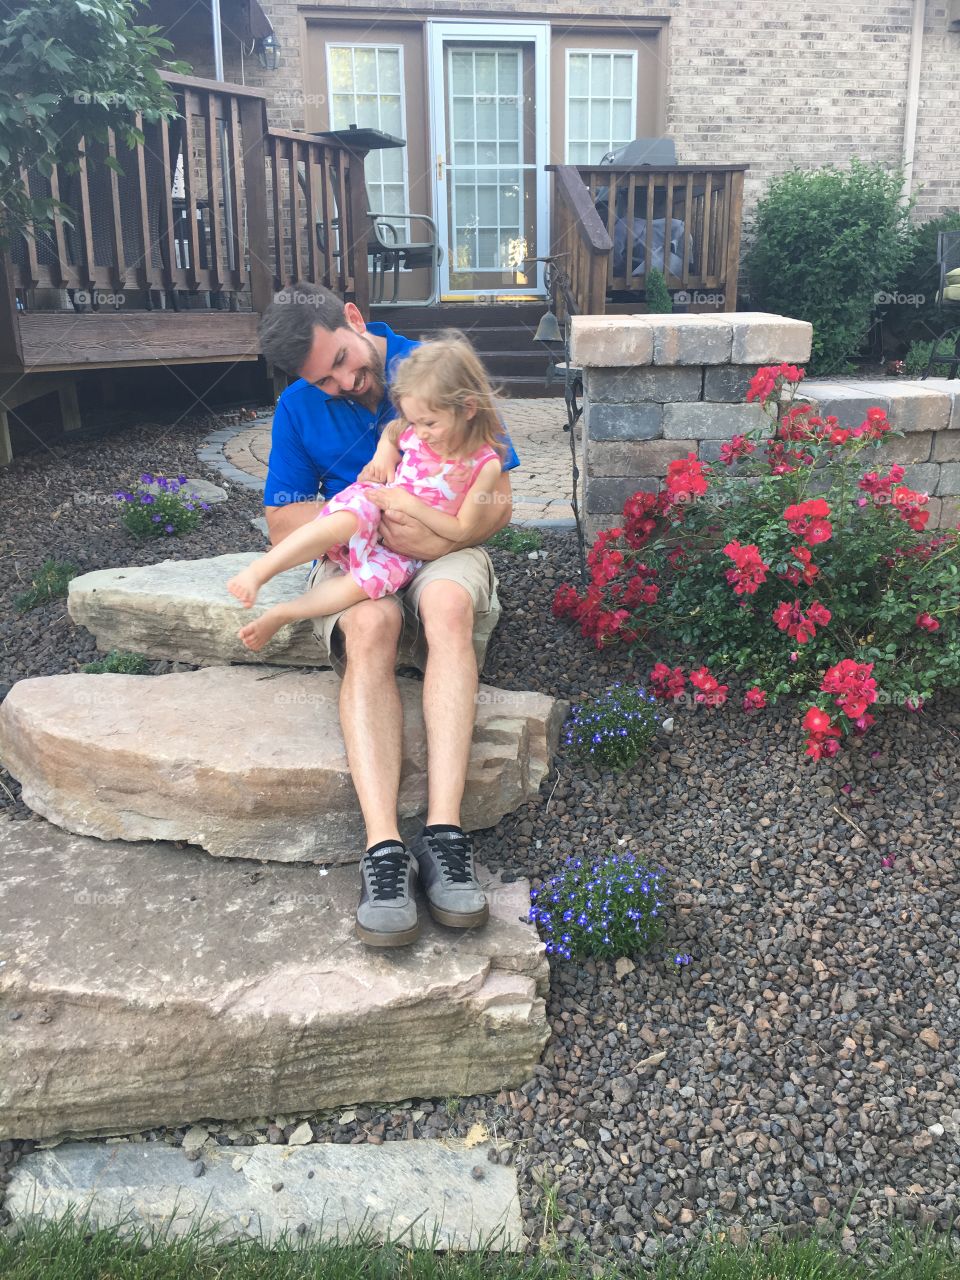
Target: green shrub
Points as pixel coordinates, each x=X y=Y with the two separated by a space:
x=608 y=908
x=117 y=663
x=614 y=730
x=516 y=540
x=658 y=295
x=826 y=242
x=50 y=580
x=917 y=358
x=166 y=511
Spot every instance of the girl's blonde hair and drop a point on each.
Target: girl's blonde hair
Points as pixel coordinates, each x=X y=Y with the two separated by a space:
x=446 y=373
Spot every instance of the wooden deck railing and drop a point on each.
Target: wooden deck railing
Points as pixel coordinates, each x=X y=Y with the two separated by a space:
x=215 y=209
x=685 y=220
x=318 y=201
x=580 y=245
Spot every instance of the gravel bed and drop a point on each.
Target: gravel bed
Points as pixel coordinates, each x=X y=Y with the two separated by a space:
x=803 y=1068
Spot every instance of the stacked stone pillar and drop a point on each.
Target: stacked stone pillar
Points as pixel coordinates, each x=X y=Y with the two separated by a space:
x=658 y=387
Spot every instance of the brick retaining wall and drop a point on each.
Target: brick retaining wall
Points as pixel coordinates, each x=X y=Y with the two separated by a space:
x=657 y=387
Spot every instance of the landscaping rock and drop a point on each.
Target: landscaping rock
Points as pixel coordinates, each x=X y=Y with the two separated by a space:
x=202 y=489
x=246 y=762
x=420 y=1194
x=180 y=987
x=181 y=609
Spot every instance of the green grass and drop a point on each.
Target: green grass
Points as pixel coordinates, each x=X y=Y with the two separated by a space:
x=64 y=1251
x=117 y=663
x=515 y=539
x=50 y=580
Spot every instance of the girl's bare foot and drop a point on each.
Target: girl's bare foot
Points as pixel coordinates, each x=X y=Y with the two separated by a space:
x=244 y=586
x=256 y=634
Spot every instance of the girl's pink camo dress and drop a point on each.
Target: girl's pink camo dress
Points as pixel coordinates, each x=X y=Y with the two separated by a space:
x=443 y=482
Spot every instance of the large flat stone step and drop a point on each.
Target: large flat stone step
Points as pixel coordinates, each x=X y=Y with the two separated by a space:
x=247 y=762
x=181 y=609
x=421 y=1194
x=156 y=986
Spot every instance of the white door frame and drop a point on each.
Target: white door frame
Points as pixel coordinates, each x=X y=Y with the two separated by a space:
x=494 y=32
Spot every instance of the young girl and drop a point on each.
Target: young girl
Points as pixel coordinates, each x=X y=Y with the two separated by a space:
x=439 y=462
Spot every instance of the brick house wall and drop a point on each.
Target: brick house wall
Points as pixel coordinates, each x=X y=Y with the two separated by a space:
x=774 y=85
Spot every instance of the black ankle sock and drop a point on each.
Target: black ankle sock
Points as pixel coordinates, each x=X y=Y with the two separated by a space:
x=385 y=844
x=440 y=828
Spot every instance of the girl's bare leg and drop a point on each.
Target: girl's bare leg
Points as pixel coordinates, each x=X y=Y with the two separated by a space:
x=309 y=542
x=329 y=596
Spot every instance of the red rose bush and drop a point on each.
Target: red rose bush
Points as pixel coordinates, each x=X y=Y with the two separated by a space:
x=797 y=565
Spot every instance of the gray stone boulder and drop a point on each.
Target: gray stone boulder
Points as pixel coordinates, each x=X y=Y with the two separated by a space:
x=181 y=609
x=247 y=762
x=147 y=985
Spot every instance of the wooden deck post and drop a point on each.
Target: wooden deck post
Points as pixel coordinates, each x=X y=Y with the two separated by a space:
x=253 y=124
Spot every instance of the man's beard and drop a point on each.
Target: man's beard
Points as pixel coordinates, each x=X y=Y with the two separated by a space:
x=372 y=373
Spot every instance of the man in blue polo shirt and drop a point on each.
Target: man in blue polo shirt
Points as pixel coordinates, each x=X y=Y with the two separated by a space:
x=325 y=429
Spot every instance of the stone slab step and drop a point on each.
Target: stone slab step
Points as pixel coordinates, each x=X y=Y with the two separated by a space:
x=145 y=985
x=247 y=762
x=422 y=1193
x=181 y=609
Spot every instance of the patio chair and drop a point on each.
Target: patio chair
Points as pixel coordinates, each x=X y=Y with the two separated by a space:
x=390 y=248
x=948 y=301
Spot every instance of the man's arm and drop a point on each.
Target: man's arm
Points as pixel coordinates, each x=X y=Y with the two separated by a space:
x=410 y=537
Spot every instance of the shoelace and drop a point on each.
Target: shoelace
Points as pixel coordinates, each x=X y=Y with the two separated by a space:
x=453 y=854
x=386 y=869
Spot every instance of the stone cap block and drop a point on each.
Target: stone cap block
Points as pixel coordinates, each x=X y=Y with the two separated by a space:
x=610 y=342
x=691 y=339
x=761 y=337
x=742 y=338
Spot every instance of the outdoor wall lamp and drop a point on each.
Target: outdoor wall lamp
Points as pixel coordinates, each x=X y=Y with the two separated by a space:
x=268 y=51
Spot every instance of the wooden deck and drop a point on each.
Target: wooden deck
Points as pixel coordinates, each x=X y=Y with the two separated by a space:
x=173 y=260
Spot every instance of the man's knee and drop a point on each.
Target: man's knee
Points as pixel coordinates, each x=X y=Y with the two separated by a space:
x=446 y=612
x=371 y=629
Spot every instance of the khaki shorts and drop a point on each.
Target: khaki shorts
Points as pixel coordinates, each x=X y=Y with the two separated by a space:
x=471 y=569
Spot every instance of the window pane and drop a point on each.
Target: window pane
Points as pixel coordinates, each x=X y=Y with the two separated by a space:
x=486 y=119
x=391 y=115
x=365 y=70
x=623 y=122
x=368 y=114
x=508 y=67
x=579 y=153
x=342 y=110
x=487 y=206
x=577 y=75
x=463 y=117
x=600 y=76
x=577 y=126
x=464 y=153
x=623 y=85
x=461 y=73
x=509 y=207
x=509 y=118
x=341 y=69
x=509 y=153
x=466 y=198
x=486 y=71
x=600 y=120
x=389 y=64
x=488 y=249
x=487 y=153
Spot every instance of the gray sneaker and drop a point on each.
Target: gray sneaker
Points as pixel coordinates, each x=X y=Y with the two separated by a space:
x=446 y=871
x=387 y=913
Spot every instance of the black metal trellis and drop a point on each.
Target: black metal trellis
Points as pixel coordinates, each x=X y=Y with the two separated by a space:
x=556 y=279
